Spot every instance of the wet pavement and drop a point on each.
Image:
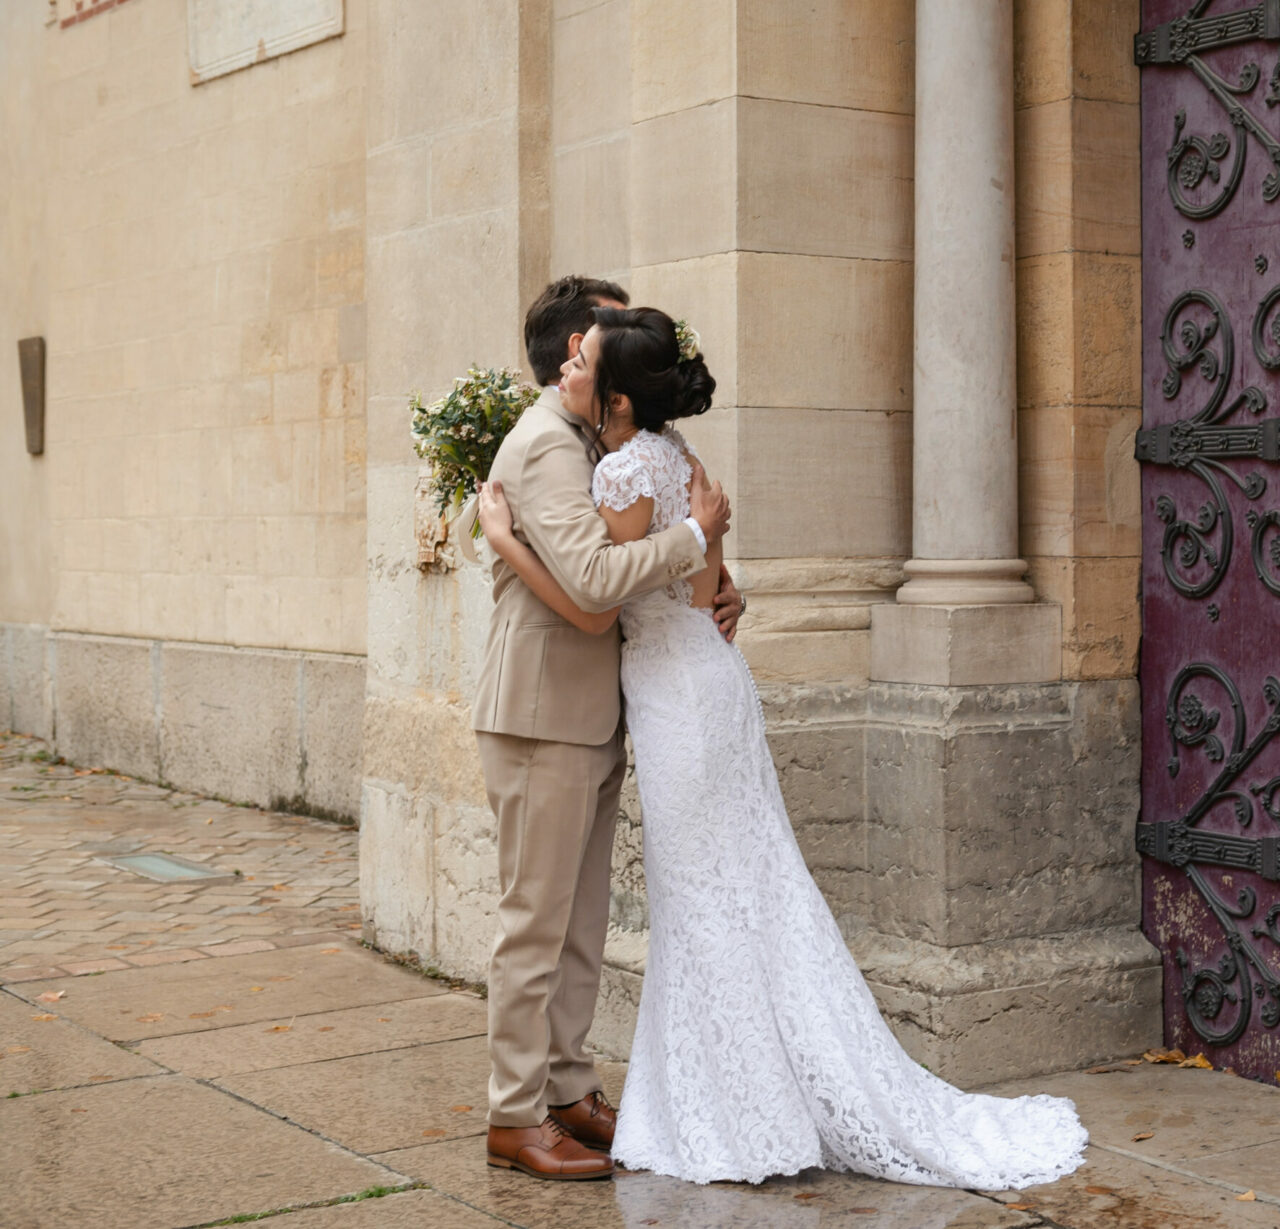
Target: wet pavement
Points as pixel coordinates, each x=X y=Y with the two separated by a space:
x=183 y=1055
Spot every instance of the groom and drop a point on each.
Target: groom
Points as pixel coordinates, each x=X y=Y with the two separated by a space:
x=549 y=727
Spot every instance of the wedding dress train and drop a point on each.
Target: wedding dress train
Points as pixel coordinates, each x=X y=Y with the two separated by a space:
x=759 y=1049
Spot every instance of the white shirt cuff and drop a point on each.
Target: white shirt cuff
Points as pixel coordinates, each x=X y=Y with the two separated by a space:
x=697 y=533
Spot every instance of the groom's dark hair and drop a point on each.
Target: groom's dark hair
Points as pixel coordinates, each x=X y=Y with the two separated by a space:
x=562 y=309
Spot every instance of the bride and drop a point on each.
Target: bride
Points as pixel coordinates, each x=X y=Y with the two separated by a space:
x=759 y=1049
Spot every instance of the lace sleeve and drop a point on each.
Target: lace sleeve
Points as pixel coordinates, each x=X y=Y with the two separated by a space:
x=680 y=442
x=620 y=479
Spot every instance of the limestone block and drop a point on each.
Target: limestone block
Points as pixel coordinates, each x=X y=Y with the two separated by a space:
x=397 y=642
x=1102 y=49
x=104 y=703
x=807 y=656
x=1101 y=612
x=1108 y=351
x=1108 y=495
x=252 y=612
x=852 y=352
x=808 y=53
x=1046 y=480
x=293 y=277
x=339 y=277
x=622 y=978
x=675 y=215
x=1042 y=48
x=978 y=1014
x=425 y=742
x=398 y=186
x=1105 y=151
x=472 y=169
x=823 y=180
x=956 y=646
x=28 y=673
x=706 y=292
x=590 y=73
x=1002 y=812
x=836 y=481
x=1046 y=331
x=466 y=887
x=682 y=55
x=1078 y=483
x=230 y=722
x=462 y=86
x=396 y=872
x=1044 y=169
x=590 y=219
x=450 y=281
x=333 y=719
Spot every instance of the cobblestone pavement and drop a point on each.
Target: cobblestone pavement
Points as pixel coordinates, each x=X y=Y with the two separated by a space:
x=63 y=910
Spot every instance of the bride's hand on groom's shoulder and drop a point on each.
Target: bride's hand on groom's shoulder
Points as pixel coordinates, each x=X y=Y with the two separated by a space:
x=708 y=505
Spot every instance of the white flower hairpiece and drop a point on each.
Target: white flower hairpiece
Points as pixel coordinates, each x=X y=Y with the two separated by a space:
x=688 y=341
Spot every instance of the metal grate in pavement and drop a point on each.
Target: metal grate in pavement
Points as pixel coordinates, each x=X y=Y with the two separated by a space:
x=165 y=868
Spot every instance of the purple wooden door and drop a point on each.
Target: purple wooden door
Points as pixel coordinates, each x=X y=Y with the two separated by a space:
x=1210 y=442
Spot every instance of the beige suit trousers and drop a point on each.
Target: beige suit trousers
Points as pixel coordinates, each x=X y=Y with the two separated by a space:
x=556 y=805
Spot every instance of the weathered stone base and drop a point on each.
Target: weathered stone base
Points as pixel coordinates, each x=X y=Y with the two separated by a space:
x=974 y=844
x=273 y=728
x=975 y=1014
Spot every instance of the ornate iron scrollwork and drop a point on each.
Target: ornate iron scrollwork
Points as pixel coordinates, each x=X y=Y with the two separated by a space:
x=1193 y=158
x=1208 y=991
x=1202 y=442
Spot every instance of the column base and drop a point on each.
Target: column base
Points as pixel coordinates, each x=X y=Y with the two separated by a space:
x=965 y=582
x=955 y=646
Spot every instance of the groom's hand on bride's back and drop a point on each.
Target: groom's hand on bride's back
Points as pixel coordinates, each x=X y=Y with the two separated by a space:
x=708 y=505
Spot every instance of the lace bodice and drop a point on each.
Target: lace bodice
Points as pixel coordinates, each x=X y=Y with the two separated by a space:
x=653 y=466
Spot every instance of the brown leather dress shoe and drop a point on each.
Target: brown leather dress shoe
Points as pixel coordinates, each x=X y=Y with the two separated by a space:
x=590 y=1121
x=545 y=1151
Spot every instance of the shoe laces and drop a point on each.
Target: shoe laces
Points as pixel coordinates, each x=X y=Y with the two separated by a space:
x=556 y=1127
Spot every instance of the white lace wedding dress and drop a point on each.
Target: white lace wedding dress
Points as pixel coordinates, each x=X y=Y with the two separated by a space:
x=759 y=1049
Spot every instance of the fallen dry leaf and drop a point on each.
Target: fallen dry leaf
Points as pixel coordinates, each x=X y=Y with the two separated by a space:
x=1020 y=1207
x=325 y=1028
x=281 y=887
x=1099 y=1190
x=384 y=1019
x=256 y=989
x=151 y=1017
x=1164 y=1056
x=201 y=1015
x=51 y=996
x=280 y=1028
x=86 y=1111
x=329 y=951
x=807 y=1195
x=18 y=1050
x=1105 y=1070
x=434 y=1132
x=209 y=820
x=1247 y=1197
x=865 y=1211
x=460 y=1109
x=1143 y=1135
x=1197 y=1060
x=44 y=1016
x=117 y=947
x=99 y=1078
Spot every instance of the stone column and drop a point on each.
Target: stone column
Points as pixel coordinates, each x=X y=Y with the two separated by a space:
x=965 y=437
x=965 y=501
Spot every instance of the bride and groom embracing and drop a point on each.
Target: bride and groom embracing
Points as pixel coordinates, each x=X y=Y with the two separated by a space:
x=758 y=1049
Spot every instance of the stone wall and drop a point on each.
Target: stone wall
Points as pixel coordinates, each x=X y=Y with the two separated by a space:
x=194 y=254
x=1079 y=316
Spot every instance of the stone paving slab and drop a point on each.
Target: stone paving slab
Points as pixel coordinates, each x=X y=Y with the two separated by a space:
x=193 y=997
x=325 y=1035
x=163 y=1152
x=379 y=1102
x=39 y=1050
x=811 y=1200
x=404 y=1210
x=1112 y=1191
x=1191 y=1114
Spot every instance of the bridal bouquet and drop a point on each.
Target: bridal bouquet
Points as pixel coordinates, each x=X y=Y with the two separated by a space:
x=459 y=434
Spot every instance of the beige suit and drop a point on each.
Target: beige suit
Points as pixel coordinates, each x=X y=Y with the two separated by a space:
x=548 y=722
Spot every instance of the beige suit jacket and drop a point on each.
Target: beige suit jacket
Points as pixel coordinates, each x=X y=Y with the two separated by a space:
x=542 y=677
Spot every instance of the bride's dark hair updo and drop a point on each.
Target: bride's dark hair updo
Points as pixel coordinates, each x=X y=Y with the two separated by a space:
x=639 y=357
